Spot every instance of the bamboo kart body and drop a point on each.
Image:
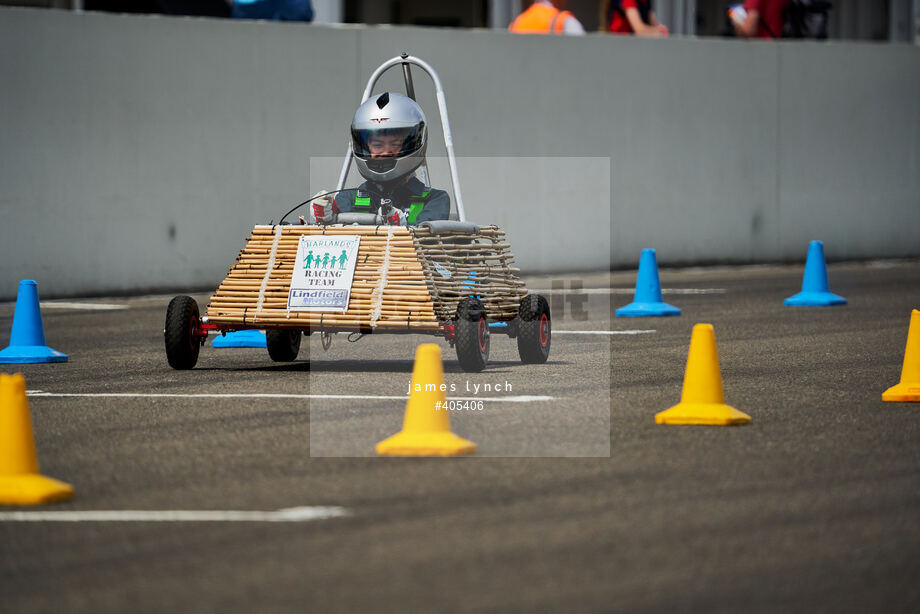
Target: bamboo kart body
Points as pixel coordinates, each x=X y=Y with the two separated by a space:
x=406 y=280
x=444 y=278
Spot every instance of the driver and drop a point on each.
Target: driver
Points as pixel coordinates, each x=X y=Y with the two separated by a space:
x=389 y=136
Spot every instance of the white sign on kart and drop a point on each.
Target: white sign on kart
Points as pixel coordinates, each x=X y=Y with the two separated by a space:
x=323 y=273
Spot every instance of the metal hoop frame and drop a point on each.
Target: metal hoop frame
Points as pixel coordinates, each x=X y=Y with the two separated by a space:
x=405 y=60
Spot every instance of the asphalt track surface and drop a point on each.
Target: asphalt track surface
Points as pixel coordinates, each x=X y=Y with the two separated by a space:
x=814 y=506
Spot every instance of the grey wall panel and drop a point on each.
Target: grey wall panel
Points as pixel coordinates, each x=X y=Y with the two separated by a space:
x=692 y=137
x=849 y=150
x=136 y=152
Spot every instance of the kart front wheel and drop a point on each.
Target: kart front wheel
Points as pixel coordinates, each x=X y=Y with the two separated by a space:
x=472 y=335
x=182 y=332
x=283 y=345
x=534 y=329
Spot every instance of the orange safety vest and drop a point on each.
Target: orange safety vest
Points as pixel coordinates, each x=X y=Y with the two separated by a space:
x=540 y=19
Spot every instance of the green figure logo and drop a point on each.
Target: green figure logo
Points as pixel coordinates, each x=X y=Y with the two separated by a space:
x=314 y=261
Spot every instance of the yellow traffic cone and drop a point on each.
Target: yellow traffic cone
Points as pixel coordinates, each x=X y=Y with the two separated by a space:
x=702 y=401
x=426 y=426
x=909 y=388
x=20 y=482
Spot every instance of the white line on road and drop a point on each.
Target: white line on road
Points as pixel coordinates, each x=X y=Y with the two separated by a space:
x=89 y=306
x=602 y=332
x=625 y=290
x=290 y=514
x=681 y=291
x=369 y=397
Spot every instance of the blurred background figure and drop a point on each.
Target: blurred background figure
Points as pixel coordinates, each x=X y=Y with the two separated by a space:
x=781 y=18
x=631 y=17
x=758 y=18
x=544 y=17
x=279 y=10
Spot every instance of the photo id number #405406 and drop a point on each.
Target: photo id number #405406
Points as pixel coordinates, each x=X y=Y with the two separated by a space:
x=459 y=405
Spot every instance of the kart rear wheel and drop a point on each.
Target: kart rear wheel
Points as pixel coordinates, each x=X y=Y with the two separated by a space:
x=181 y=332
x=283 y=345
x=472 y=335
x=534 y=329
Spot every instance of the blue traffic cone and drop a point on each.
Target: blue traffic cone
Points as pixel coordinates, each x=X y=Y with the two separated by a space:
x=647 y=299
x=240 y=339
x=27 y=339
x=815 y=291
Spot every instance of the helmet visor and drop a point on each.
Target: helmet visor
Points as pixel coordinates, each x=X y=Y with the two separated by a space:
x=387 y=142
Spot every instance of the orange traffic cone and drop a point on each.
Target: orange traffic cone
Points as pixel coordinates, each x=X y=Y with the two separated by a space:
x=20 y=482
x=702 y=400
x=909 y=388
x=426 y=426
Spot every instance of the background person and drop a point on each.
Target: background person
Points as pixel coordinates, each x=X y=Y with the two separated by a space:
x=389 y=137
x=544 y=17
x=280 y=10
x=759 y=18
x=631 y=17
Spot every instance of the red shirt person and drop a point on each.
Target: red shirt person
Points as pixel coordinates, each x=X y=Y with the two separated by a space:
x=631 y=17
x=763 y=19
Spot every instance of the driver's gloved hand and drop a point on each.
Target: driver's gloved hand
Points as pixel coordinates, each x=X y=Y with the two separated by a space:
x=324 y=209
x=397 y=217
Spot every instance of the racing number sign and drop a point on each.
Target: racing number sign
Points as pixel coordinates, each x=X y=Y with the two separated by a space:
x=323 y=273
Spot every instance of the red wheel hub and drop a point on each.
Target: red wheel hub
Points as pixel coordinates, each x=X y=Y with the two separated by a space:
x=198 y=331
x=483 y=335
x=544 y=330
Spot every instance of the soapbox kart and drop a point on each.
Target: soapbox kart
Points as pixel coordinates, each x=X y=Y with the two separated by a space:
x=448 y=278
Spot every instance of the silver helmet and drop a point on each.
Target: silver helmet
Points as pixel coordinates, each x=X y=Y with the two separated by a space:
x=389 y=136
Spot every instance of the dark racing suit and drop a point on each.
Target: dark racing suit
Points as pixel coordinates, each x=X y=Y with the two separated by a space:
x=421 y=203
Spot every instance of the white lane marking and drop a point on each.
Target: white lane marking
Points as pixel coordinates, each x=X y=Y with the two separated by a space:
x=626 y=290
x=603 y=332
x=516 y=399
x=370 y=397
x=290 y=514
x=89 y=306
x=691 y=291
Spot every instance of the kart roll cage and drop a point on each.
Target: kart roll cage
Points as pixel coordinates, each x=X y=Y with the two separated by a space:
x=406 y=60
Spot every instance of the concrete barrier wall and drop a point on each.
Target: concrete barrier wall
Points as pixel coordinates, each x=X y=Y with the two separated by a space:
x=136 y=151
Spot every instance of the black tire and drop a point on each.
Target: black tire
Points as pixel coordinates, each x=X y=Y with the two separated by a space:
x=182 y=345
x=534 y=329
x=471 y=331
x=283 y=345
